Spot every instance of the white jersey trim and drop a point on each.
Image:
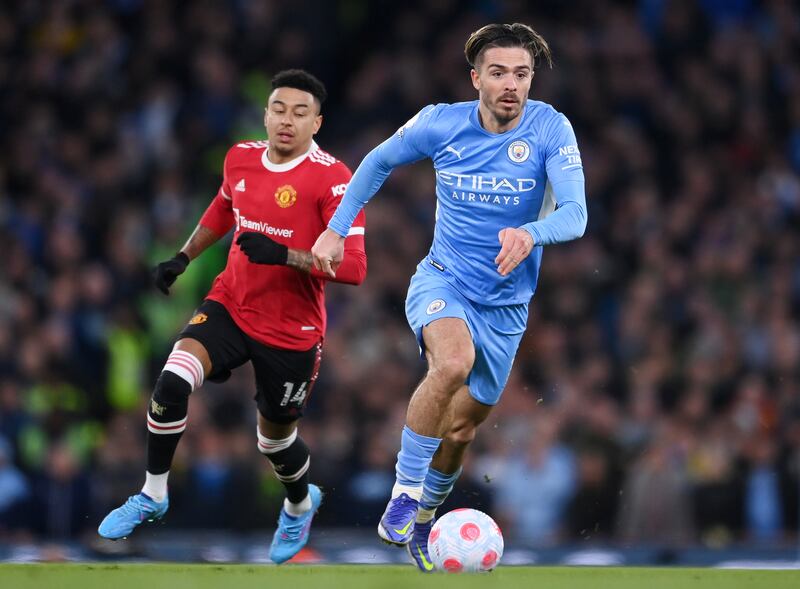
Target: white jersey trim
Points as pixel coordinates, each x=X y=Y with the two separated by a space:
x=355 y=231
x=321 y=157
x=291 y=164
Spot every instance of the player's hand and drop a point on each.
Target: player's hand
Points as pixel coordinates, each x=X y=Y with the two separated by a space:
x=165 y=273
x=328 y=252
x=515 y=246
x=260 y=249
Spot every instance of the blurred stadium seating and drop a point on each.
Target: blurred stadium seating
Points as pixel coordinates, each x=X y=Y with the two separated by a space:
x=656 y=396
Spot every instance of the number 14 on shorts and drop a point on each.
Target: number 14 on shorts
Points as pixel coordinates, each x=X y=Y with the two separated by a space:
x=292 y=396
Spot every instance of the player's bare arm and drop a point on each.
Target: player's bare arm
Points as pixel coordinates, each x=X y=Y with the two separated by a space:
x=328 y=252
x=167 y=272
x=199 y=241
x=300 y=260
x=515 y=246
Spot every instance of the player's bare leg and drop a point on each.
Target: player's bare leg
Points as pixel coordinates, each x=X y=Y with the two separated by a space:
x=451 y=354
x=464 y=415
x=186 y=368
x=196 y=349
x=290 y=458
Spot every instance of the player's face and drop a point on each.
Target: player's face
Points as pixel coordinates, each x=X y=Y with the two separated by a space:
x=503 y=80
x=292 y=118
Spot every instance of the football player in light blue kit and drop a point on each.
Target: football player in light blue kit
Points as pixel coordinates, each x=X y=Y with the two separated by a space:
x=509 y=180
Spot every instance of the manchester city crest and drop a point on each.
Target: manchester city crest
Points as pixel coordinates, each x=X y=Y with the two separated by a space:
x=519 y=151
x=435 y=306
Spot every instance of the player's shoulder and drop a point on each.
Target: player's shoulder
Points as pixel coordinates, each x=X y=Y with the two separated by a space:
x=448 y=111
x=327 y=168
x=249 y=145
x=544 y=115
x=458 y=107
x=246 y=149
x=326 y=162
x=320 y=157
x=437 y=119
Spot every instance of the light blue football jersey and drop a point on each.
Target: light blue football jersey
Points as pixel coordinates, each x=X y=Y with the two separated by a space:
x=529 y=177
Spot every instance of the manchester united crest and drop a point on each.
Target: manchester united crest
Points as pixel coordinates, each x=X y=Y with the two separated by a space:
x=199 y=318
x=285 y=196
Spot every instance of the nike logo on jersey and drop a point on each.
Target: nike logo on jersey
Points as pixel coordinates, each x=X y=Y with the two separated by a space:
x=452 y=149
x=240 y=186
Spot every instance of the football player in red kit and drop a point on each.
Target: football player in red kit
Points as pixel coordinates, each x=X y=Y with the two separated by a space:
x=266 y=307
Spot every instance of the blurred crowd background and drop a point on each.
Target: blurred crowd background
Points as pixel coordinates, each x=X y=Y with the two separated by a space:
x=656 y=395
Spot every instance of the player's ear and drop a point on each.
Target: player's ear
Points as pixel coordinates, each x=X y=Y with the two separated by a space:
x=476 y=79
x=317 y=123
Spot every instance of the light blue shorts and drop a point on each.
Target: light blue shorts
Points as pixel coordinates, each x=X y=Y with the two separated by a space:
x=496 y=331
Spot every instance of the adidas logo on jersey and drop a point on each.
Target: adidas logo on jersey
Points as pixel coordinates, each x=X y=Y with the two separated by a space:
x=240 y=186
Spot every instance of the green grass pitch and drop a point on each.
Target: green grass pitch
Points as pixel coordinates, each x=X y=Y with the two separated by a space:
x=182 y=576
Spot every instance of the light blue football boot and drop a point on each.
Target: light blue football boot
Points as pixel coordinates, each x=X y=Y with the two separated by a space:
x=138 y=508
x=397 y=524
x=292 y=532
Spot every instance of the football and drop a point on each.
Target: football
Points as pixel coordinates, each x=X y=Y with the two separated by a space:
x=465 y=541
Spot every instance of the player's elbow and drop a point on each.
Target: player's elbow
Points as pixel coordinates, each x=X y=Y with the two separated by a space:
x=580 y=220
x=583 y=221
x=361 y=272
x=357 y=273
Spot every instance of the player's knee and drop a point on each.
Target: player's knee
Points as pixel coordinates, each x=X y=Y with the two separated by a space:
x=186 y=367
x=171 y=389
x=462 y=430
x=289 y=456
x=452 y=370
x=270 y=446
x=461 y=433
x=168 y=405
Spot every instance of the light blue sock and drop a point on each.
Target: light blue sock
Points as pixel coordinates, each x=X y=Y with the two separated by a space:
x=413 y=461
x=436 y=488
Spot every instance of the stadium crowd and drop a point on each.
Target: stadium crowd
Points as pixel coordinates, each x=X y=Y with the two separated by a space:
x=656 y=395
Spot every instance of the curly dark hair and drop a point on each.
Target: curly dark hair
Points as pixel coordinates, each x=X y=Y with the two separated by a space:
x=301 y=80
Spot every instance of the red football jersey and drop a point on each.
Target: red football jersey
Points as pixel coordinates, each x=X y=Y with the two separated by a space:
x=291 y=203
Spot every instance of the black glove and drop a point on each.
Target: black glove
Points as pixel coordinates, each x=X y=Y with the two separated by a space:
x=260 y=249
x=166 y=272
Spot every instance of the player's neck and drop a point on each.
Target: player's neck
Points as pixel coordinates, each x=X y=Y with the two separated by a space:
x=282 y=157
x=492 y=124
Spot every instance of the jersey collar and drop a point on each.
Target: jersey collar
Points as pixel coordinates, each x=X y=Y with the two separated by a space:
x=476 y=121
x=291 y=164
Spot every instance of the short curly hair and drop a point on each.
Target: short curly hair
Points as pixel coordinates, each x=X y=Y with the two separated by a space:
x=300 y=80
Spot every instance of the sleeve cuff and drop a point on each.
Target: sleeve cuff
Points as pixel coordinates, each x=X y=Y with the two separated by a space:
x=537 y=239
x=337 y=229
